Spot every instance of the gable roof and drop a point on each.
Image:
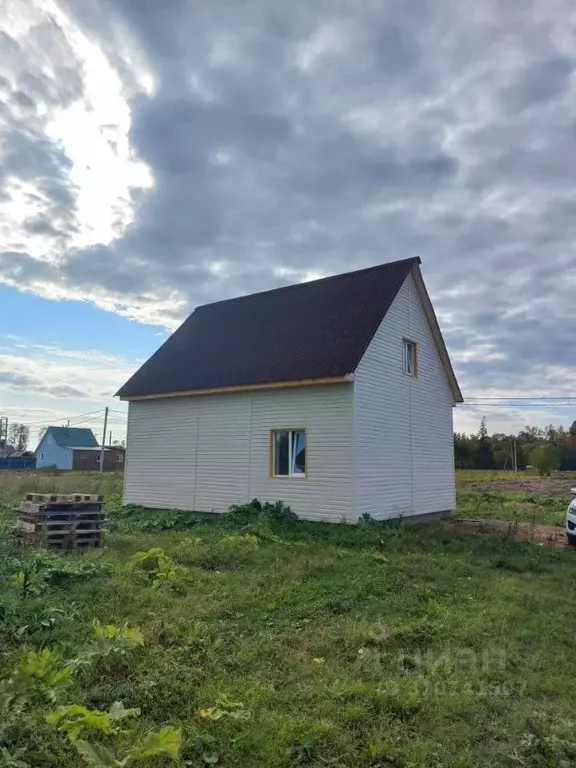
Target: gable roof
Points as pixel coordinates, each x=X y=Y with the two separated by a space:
x=72 y=437
x=309 y=332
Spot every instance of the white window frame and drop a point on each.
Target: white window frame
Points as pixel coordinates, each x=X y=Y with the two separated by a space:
x=410 y=358
x=291 y=431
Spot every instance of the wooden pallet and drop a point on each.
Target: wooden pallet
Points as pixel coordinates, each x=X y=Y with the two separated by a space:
x=65 y=521
x=64 y=498
x=52 y=508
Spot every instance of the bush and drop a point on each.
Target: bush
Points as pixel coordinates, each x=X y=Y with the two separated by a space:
x=545 y=458
x=255 y=511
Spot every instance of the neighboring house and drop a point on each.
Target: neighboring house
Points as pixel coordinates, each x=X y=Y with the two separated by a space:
x=6 y=450
x=334 y=396
x=58 y=445
x=88 y=459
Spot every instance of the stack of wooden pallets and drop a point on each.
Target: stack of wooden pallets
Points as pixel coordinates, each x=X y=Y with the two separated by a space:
x=63 y=520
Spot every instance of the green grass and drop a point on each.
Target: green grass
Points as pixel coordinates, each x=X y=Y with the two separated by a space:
x=464 y=476
x=511 y=506
x=348 y=646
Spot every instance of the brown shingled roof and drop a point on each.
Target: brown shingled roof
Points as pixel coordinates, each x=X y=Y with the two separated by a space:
x=314 y=330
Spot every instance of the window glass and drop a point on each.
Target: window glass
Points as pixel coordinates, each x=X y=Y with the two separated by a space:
x=298 y=455
x=289 y=457
x=409 y=350
x=281 y=452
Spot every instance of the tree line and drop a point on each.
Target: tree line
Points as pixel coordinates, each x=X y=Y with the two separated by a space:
x=17 y=437
x=546 y=449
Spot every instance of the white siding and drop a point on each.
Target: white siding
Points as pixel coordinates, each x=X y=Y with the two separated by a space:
x=161 y=443
x=404 y=462
x=223 y=457
x=207 y=452
x=326 y=413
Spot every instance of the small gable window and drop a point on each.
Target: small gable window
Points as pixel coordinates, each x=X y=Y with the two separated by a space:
x=289 y=453
x=410 y=357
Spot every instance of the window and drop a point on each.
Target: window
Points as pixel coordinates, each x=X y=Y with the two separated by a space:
x=120 y=458
x=42 y=456
x=410 y=355
x=289 y=453
x=98 y=458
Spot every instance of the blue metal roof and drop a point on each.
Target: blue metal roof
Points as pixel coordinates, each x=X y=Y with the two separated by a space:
x=76 y=437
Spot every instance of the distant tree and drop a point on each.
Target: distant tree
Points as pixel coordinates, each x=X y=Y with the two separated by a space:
x=464 y=450
x=18 y=436
x=572 y=430
x=484 y=458
x=41 y=432
x=521 y=456
x=545 y=457
x=530 y=435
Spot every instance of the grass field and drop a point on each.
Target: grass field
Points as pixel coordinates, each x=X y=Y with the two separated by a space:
x=271 y=642
x=466 y=476
x=511 y=506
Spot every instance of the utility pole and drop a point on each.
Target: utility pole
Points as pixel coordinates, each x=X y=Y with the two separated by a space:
x=110 y=438
x=104 y=439
x=515 y=456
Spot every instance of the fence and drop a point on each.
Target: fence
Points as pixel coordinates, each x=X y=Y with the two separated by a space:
x=28 y=463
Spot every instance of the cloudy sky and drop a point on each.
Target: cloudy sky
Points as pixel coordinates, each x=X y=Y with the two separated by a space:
x=158 y=155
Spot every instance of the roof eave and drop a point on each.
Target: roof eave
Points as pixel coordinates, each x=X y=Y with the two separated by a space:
x=346 y=379
x=437 y=334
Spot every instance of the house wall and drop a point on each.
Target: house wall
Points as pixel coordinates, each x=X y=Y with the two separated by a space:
x=54 y=455
x=89 y=461
x=403 y=434
x=208 y=452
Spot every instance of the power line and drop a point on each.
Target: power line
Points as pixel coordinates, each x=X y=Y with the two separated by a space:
x=510 y=406
x=42 y=422
x=84 y=421
x=521 y=397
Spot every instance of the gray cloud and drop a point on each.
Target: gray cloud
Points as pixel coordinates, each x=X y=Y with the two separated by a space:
x=35 y=385
x=28 y=156
x=286 y=140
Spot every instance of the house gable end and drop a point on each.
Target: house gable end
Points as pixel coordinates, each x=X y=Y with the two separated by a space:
x=403 y=442
x=42 y=443
x=417 y=281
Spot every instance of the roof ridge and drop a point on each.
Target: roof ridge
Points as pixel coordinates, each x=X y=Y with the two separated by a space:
x=415 y=259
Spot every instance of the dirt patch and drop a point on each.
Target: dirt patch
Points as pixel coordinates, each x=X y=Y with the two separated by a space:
x=548 y=535
x=542 y=486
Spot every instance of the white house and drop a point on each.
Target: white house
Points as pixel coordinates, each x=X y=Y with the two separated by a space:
x=334 y=396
